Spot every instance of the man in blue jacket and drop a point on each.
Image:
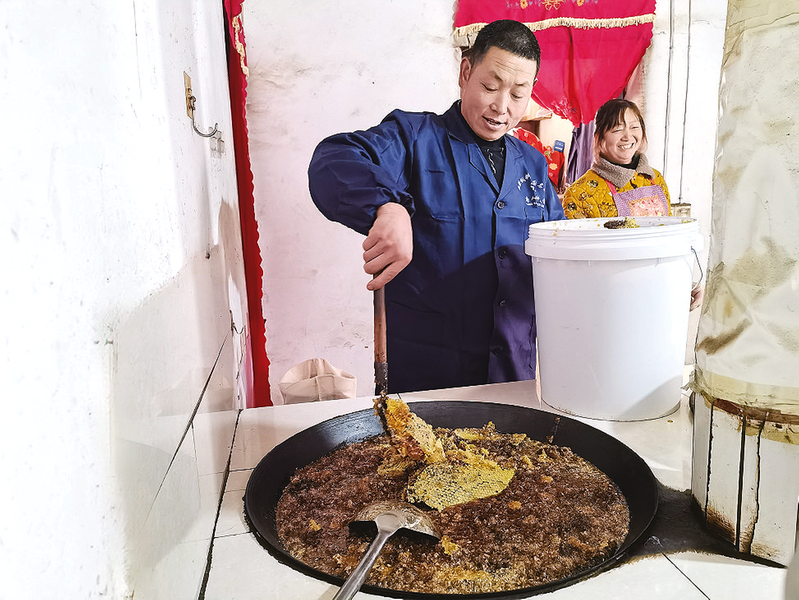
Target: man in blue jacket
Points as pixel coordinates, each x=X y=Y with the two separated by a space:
x=445 y=202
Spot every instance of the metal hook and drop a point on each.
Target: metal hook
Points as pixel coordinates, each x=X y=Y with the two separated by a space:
x=699 y=264
x=192 y=101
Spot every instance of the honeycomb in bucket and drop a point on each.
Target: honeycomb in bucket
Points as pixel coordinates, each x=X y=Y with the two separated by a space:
x=446 y=478
x=625 y=223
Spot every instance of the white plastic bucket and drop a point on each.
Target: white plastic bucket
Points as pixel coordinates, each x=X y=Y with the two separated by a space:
x=612 y=308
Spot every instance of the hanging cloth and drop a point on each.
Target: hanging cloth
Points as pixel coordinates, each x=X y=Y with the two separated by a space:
x=747 y=345
x=589 y=50
x=258 y=393
x=581 y=152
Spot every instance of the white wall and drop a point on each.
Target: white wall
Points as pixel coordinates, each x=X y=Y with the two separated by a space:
x=326 y=67
x=120 y=245
x=681 y=77
x=682 y=72
x=318 y=69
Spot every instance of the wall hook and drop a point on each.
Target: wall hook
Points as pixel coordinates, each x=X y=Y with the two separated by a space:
x=190 y=103
x=192 y=100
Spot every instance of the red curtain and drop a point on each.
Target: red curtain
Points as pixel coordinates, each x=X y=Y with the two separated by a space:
x=253 y=273
x=589 y=48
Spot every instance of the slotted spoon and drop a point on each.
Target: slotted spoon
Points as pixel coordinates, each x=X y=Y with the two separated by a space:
x=389 y=516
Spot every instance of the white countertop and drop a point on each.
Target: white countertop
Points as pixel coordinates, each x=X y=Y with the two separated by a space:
x=242 y=569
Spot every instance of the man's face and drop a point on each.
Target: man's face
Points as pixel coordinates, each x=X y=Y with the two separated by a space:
x=495 y=92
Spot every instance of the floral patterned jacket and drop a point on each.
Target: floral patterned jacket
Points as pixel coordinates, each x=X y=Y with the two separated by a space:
x=590 y=196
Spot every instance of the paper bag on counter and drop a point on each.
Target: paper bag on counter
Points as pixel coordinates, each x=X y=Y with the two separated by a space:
x=316 y=379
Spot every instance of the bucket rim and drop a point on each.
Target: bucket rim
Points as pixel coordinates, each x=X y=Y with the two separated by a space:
x=597 y=225
x=588 y=239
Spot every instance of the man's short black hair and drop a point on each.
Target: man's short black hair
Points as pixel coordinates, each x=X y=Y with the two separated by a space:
x=508 y=35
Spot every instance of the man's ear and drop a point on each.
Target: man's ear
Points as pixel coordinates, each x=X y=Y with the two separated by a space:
x=465 y=71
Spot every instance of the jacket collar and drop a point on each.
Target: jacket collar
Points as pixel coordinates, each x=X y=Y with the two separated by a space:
x=459 y=129
x=457 y=125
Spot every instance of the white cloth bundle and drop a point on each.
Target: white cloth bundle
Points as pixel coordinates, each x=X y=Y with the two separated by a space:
x=316 y=379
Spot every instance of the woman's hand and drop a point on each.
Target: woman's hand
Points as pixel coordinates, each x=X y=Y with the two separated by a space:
x=697 y=294
x=389 y=246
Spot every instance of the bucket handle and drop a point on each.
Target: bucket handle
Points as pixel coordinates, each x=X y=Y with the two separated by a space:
x=699 y=264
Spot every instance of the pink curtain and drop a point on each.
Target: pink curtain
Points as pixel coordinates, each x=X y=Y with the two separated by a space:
x=589 y=48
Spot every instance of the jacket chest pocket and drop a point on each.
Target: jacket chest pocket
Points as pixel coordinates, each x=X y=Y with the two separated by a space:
x=514 y=215
x=440 y=195
x=522 y=204
x=533 y=214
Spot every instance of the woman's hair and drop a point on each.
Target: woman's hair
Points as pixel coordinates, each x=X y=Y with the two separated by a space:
x=610 y=114
x=508 y=35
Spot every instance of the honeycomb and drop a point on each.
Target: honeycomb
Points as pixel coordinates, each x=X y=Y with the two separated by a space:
x=446 y=478
x=444 y=484
x=410 y=434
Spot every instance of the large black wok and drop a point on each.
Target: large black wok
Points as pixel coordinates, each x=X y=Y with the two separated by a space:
x=621 y=464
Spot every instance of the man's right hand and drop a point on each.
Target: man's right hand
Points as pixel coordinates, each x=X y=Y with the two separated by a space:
x=389 y=246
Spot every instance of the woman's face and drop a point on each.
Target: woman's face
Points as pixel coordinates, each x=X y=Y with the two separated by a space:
x=620 y=143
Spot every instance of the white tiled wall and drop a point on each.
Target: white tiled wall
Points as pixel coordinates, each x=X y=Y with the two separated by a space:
x=123 y=311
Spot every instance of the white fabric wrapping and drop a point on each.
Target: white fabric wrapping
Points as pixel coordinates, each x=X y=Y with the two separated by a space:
x=316 y=379
x=747 y=348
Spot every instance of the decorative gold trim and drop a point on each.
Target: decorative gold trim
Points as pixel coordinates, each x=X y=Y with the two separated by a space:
x=464 y=36
x=240 y=46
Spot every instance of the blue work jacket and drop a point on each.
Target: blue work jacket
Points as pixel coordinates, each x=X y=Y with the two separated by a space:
x=462 y=312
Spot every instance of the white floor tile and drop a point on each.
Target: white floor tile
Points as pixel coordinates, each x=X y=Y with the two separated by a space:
x=261 y=430
x=213 y=434
x=237 y=480
x=211 y=484
x=231 y=515
x=243 y=570
x=652 y=577
x=210 y=492
x=725 y=578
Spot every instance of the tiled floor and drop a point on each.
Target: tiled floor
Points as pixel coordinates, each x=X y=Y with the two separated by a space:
x=241 y=569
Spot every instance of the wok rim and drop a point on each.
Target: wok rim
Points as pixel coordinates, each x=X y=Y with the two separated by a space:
x=625 y=467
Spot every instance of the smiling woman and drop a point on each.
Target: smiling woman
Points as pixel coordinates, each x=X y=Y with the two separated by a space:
x=624 y=139
x=620 y=181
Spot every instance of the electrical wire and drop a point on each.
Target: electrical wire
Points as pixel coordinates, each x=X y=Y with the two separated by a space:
x=685 y=110
x=668 y=89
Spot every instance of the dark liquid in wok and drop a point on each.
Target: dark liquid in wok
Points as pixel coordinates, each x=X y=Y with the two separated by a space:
x=558 y=516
